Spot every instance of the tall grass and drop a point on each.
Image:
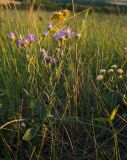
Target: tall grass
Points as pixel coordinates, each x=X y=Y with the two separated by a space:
x=60 y=111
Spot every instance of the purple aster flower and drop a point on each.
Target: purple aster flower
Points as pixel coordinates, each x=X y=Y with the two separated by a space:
x=11 y=36
x=53 y=60
x=59 y=35
x=63 y=34
x=49 y=26
x=49 y=59
x=69 y=33
x=72 y=34
x=19 y=43
x=31 y=38
x=23 y=43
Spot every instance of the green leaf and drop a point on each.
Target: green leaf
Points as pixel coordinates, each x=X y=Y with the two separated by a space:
x=29 y=134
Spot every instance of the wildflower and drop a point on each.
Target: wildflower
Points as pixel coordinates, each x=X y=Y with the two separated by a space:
x=49 y=26
x=110 y=71
x=49 y=59
x=69 y=33
x=102 y=71
x=59 y=36
x=23 y=43
x=11 y=36
x=31 y=38
x=120 y=71
x=114 y=66
x=22 y=124
x=63 y=34
x=100 y=77
x=53 y=60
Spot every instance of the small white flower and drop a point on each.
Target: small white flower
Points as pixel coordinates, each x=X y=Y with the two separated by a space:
x=102 y=71
x=110 y=71
x=22 y=124
x=100 y=77
x=114 y=66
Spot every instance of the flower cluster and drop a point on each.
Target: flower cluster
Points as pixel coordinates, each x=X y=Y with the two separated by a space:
x=31 y=38
x=64 y=34
x=23 y=43
x=55 y=32
x=27 y=41
x=114 y=71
